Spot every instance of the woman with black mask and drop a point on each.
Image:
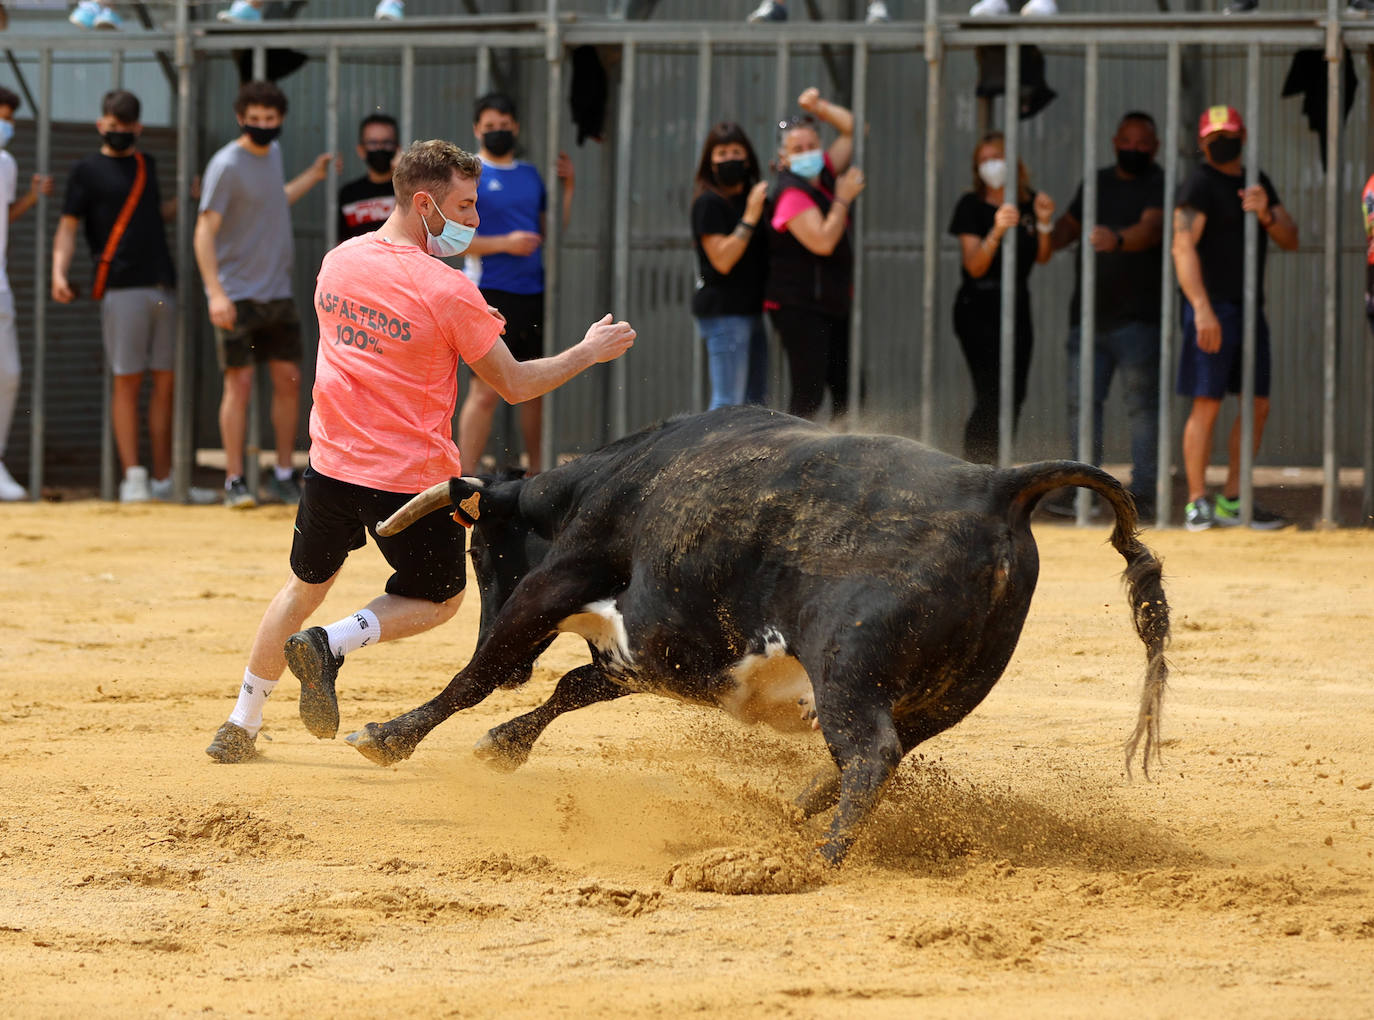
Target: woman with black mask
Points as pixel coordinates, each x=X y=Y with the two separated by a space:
x=732 y=264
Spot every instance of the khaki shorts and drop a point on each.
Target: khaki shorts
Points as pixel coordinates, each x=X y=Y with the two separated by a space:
x=263 y=331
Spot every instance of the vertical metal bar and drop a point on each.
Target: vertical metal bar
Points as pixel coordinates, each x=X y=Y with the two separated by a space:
x=1331 y=247
x=698 y=390
x=38 y=403
x=107 y=437
x=183 y=445
x=407 y=94
x=856 y=310
x=553 y=241
x=1367 y=460
x=1011 y=99
x=483 y=82
x=1087 y=320
x=331 y=144
x=1251 y=292
x=930 y=263
x=783 y=97
x=259 y=63
x=1164 y=480
x=623 y=140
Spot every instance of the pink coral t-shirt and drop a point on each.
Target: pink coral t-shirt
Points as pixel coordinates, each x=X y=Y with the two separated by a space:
x=394 y=323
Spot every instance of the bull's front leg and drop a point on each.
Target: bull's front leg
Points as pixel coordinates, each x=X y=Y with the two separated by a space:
x=507 y=747
x=546 y=596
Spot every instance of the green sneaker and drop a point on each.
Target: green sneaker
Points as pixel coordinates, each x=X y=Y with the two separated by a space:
x=1199 y=515
x=1228 y=516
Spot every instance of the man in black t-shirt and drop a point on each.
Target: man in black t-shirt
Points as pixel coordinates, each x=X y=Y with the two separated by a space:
x=1209 y=257
x=135 y=282
x=1126 y=237
x=365 y=203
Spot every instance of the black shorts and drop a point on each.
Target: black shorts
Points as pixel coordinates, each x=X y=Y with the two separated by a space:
x=331 y=521
x=263 y=331
x=524 y=321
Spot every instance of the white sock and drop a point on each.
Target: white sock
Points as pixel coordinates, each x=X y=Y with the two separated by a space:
x=354 y=632
x=252 y=695
x=282 y=473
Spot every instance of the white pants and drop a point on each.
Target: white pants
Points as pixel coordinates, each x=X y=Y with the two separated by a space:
x=9 y=366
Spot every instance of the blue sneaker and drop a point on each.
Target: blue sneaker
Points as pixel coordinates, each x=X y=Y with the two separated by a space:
x=83 y=15
x=390 y=10
x=241 y=11
x=106 y=19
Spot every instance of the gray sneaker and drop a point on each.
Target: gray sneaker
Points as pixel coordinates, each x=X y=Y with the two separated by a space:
x=196 y=496
x=285 y=490
x=237 y=496
x=316 y=666
x=232 y=745
x=1199 y=515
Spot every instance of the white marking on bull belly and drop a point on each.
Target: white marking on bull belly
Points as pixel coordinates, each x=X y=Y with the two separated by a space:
x=602 y=625
x=771 y=687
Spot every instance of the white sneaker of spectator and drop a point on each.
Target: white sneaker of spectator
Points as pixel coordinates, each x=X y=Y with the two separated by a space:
x=768 y=11
x=390 y=10
x=10 y=490
x=134 y=488
x=1039 y=9
x=999 y=9
x=877 y=13
x=161 y=490
x=241 y=11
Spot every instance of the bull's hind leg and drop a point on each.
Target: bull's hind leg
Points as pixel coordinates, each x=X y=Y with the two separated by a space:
x=545 y=596
x=507 y=747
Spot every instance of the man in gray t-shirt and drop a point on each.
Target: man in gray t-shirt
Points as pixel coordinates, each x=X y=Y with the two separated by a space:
x=244 y=251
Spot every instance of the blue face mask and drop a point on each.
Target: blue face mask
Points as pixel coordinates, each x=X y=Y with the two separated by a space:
x=806 y=164
x=452 y=240
x=6 y=132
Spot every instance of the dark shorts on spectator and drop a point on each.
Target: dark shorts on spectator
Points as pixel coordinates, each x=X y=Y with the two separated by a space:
x=335 y=517
x=263 y=331
x=524 y=314
x=1214 y=375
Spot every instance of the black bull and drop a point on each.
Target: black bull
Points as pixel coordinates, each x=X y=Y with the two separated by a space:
x=756 y=562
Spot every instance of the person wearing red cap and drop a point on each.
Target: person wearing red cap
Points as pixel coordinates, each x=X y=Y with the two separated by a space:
x=1209 y=258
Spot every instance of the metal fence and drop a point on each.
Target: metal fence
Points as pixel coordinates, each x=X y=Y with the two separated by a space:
x=669 y=79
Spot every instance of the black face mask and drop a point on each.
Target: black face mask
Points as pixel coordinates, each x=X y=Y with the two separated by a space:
x=1224 y=150
x=498 y=143
x=261 y=136
x=730 y=172
x=1133 y=161
x=379 y=160
x=119 y=140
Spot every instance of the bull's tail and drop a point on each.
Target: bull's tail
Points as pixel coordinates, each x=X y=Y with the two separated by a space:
x=1023 y=488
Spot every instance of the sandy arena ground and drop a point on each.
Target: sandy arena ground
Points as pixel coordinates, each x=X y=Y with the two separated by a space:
x=1012 y=871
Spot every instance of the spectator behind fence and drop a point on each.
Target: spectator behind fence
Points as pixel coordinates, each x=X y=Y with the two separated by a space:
x=245 y=252
x=1209 y=258
x=250 y=11
x=981 y=220
x=732 y=266
x=1126 y=238
x=365 y=203
x=115 y=192
x=506 y=262
x=15 y=206
x=810 y=260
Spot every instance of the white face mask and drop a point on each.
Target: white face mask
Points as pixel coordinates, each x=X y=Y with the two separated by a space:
x=993 y=172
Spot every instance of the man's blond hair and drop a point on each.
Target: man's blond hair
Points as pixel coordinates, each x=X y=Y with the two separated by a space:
x=429 y=167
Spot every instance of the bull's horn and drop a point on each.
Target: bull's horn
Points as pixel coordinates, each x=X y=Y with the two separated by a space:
x=431 y=499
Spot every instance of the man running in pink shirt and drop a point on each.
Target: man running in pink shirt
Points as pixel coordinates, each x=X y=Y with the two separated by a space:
x=394 y=324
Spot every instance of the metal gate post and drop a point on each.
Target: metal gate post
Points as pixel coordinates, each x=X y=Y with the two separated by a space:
x=1164 y=479
x=1011 y=98
x=1251 y=294
x=553 y=222
x=1331 y=247
x=37 y=436
x=619 y=392
x=697 y=391
x=1087 y=316
x=930 y=264
x=856 y=310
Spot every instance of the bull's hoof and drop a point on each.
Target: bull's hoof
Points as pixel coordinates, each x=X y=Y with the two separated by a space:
x=376 y=745
x=500 y=754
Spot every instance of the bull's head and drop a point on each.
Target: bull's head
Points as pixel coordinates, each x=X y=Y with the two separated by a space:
x=504 y=545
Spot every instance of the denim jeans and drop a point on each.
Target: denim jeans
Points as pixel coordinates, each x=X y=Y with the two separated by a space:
x=737 y=357
x=1134 y=349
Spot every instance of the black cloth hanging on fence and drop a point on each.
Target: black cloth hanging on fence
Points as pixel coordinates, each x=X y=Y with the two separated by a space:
x=1307 y=77
x=588 y=94
x=1035 y=95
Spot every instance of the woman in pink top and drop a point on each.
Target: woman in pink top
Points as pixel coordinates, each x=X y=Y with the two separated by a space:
x=811 y=263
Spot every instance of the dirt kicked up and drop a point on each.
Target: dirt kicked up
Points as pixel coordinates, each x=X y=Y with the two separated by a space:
x=646 y=860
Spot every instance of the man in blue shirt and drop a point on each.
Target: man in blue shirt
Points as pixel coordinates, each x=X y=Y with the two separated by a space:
x=506 y=262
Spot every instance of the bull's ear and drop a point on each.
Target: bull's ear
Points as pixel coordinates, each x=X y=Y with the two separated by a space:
x=466 y=496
